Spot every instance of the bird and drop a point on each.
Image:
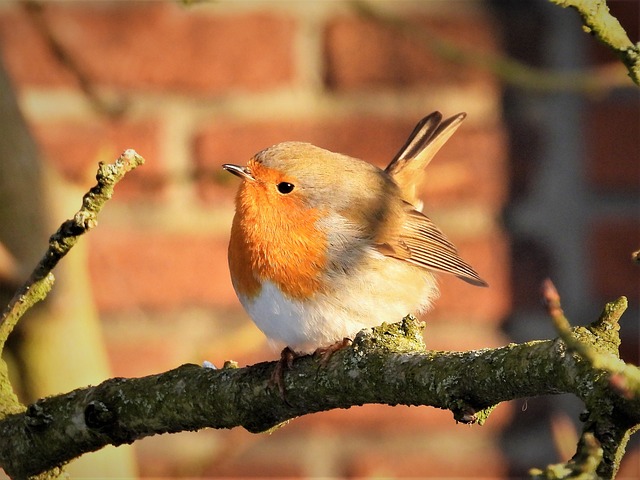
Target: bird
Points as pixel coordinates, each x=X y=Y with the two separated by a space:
x=323 y=245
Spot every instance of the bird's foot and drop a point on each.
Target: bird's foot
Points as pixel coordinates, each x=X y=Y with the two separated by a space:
x=287 y=356
x=325 y=353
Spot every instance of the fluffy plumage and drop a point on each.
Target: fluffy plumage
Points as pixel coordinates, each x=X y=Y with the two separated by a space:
x=323 y=244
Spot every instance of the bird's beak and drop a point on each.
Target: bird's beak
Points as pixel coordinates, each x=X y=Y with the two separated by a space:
x=238 y=171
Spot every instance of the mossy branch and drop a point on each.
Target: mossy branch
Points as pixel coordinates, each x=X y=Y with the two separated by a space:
x=598 y=21
x=41 y=279
x=604 y=438
x=386 y=365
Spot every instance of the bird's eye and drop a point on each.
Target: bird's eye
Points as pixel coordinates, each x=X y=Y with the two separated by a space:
x=285 y=187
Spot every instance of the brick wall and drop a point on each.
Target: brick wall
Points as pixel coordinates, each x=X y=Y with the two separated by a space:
x=213 y=84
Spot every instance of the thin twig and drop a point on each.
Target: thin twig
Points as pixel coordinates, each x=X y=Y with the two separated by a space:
x=563 y=327
x=35 y=12
x=507 y=69
x=623 y=378
x=41 y=280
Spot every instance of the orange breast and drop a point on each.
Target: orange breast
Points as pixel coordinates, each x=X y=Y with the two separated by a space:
x=274 y=238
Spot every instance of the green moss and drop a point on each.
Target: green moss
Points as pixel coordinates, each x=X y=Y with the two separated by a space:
x=400 y=337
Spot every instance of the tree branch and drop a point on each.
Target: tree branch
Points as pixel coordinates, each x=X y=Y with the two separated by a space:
x=509 y=70
x=604 y=438
x=387 y=365
x=41 y=279
x=112 y=108
x=605 y=27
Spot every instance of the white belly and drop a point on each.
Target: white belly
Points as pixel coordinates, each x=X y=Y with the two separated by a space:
x=342 y=312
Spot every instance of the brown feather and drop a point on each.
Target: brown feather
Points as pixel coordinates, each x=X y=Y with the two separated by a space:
x=429 y=135
x=422 y=243
x=417 y=240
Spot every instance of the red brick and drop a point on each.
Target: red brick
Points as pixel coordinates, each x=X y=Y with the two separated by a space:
x=613 y=146
x=386 y=420
x=458 y=461
x=268 y=466
x=212 y=454
x=75 y=148
x=457 y=334
x=231 y=141
x=489 y=255
x=611 y=245
x=25 y=53
x=531 y=264
x=153 y=45
x=525 y=145
x=138 y=356
x=362 y=53
x=197 y=333
x=156 y=270
x=469 y=168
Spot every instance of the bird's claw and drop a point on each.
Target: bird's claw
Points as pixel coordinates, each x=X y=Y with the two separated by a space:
x=325 y=353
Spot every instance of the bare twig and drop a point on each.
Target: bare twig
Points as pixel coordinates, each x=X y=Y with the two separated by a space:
x=624 y=378
x=509 y=70
x=583 y=467
x=602 y=435
x=34 y=10
x=552 y=300
x=41 y=280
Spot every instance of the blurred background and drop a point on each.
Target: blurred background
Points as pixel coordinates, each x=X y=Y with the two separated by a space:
x=542 y=180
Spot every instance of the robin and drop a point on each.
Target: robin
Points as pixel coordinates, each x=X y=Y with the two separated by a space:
x=323 y=245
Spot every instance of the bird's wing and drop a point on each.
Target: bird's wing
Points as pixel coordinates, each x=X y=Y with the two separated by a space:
x=422 y=243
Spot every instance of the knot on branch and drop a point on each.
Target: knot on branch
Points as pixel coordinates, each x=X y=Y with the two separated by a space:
x=36 y=418
x=97 y=416
x=467 y=414
x=607 y=326
x=463 y=413
x=400 y=337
